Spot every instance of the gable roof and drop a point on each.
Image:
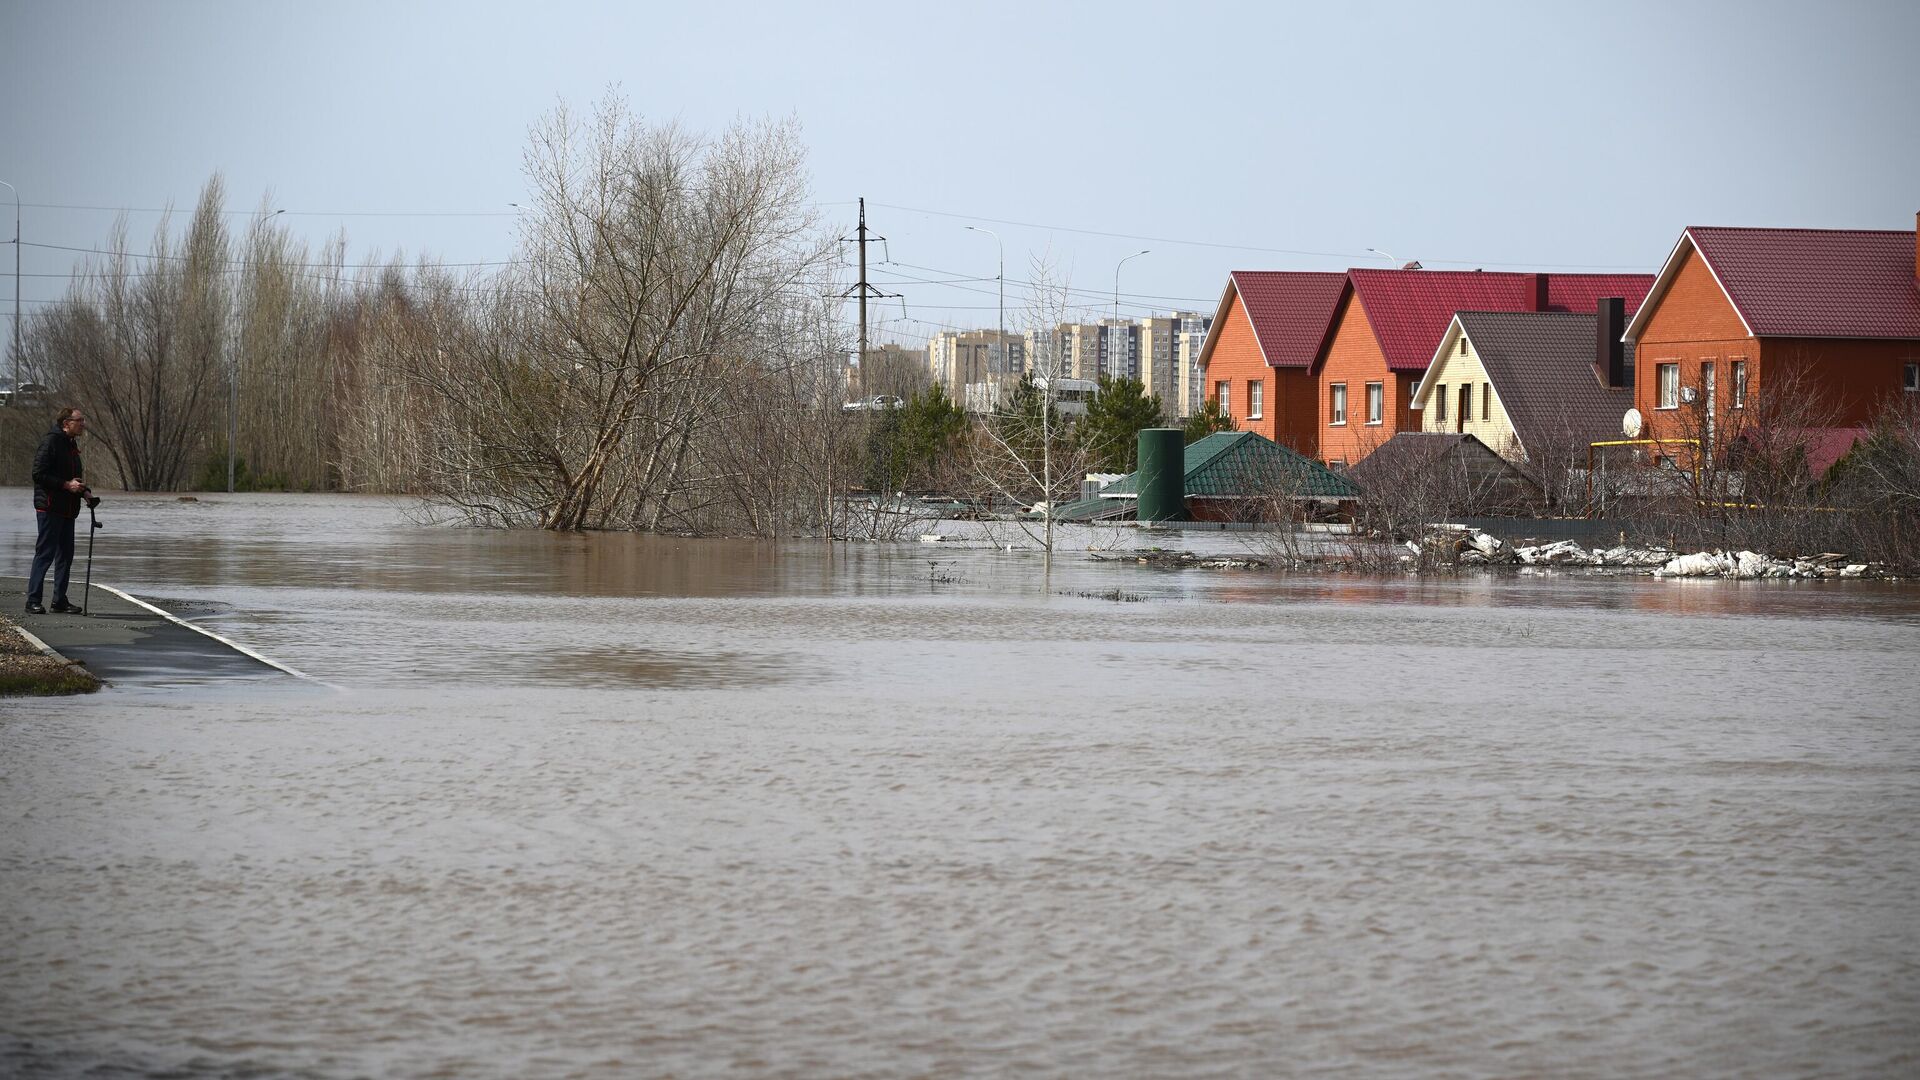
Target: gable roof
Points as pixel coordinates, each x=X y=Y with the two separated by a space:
x=1819 y=283
x=1291 y=312
x=1454 y=467
x=1238 y=464
x=1541 y=365
x=1411 y=309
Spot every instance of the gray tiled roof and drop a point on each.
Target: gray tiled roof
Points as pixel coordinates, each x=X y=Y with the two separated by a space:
x=1541 y=367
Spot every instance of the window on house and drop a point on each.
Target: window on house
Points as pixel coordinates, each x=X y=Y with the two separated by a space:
x=1668 y=379
x=1221 y=394
x=1440 y=404
x=1911 y=378
x=1486 y=401
x=1463 y=346
x=1339 y=403
x=1256 y=399
x=1376 y=401
x=1739 y=384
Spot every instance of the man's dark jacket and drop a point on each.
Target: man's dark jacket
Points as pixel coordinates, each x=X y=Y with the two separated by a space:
x=56 y=462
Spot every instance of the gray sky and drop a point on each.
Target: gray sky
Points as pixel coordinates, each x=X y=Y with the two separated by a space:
x=1504 y=135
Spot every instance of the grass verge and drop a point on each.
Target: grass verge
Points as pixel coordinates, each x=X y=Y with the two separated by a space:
x=26 y=671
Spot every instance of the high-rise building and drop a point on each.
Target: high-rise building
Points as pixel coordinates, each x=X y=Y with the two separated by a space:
x=1080 y=347
x=1120 y=348
x=1159 y=338
x=961 y=357
x=1191 y=338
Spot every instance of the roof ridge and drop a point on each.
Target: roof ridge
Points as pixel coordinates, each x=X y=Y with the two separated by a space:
x=1800 y=229
x=1496 y=311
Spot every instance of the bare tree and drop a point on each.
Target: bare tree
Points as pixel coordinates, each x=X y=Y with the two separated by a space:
x=1741 y=474
x=652 y=264
x=143 y=348
x=1026 y=452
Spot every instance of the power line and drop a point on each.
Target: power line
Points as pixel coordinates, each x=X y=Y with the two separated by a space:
x=241 y=262
x=1358 y=256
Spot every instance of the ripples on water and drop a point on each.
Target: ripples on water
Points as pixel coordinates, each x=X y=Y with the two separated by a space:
x=616 y=806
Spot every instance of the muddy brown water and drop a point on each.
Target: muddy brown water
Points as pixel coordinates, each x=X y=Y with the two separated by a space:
x=632 y=806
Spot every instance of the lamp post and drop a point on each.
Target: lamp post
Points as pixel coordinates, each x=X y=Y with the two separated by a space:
x=1116 y=292
x=1116 y=278
x=1385 y=256
x=14 y=398
x=1001 y=277
x=233 y=393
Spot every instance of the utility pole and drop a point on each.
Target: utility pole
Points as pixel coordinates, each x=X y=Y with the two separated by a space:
x=14 y=398
x=863 y=289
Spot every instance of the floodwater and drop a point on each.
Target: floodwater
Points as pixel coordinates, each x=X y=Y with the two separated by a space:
x=626 y=806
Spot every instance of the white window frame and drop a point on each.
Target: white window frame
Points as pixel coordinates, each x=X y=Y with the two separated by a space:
x=1739 y=384
x=1256 y=398
x=1666 y=382
x=1337 y=405
x=1223 y=393
x=1376 y=404
x=1440 y=403
x=1910 y=378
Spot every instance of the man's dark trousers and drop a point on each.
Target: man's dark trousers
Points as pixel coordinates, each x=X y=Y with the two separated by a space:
x=53 y=547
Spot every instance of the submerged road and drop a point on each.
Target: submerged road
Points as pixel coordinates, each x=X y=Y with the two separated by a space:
x=124 y=641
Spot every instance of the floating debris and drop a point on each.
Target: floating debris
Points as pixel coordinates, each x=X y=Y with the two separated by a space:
x=1162 y=559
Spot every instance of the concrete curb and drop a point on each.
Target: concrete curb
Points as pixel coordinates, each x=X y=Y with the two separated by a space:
x=41 y=645
x=52 y=653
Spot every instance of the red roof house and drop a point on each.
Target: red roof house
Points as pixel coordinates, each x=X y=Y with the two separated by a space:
x=1389 y=322
x=1259 y=352
x=1818 y=327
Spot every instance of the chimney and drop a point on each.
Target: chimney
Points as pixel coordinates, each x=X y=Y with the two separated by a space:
x=1609 y=352
x=1539 y=292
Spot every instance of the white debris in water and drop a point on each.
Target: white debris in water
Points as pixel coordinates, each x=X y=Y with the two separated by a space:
x=1484 y=549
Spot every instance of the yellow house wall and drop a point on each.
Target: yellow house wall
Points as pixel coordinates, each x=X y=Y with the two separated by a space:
x=1453 y=369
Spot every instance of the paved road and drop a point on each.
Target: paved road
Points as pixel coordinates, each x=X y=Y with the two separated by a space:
x=124 y=643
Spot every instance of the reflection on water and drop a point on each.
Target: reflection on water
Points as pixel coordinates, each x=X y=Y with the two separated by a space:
x=619 y=805
x=614 y=668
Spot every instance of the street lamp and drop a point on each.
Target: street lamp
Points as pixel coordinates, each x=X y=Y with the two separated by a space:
x=1385 y=256
x=233 y=393
x=1116 y=279
x=1116 y=294
x=14 y=398
x=1001 y=277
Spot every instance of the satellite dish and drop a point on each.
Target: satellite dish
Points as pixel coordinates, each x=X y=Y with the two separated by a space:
x=1687 y=394
x=1632 y=424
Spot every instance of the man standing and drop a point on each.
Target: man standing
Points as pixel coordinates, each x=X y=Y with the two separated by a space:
x=57 y=491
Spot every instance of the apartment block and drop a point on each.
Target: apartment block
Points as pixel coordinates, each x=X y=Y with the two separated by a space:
x=957 y=358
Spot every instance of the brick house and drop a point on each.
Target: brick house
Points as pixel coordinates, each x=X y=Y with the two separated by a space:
x=1828 y=312
x=1258 y=356
x=1388 y=324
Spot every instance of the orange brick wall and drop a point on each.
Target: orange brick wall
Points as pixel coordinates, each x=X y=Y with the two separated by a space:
x=1354 y=357
x=1854 y=379
x=1236 y=358
x=1296 y=410
x=1287 y=415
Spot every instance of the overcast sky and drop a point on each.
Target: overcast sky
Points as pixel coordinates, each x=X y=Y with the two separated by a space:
x=1220 y=136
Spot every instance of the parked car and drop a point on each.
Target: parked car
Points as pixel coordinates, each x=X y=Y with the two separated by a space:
x=877 y=401
x=31 y=393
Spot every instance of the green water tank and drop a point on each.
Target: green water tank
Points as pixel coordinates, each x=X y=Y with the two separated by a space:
x=1163 y=474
